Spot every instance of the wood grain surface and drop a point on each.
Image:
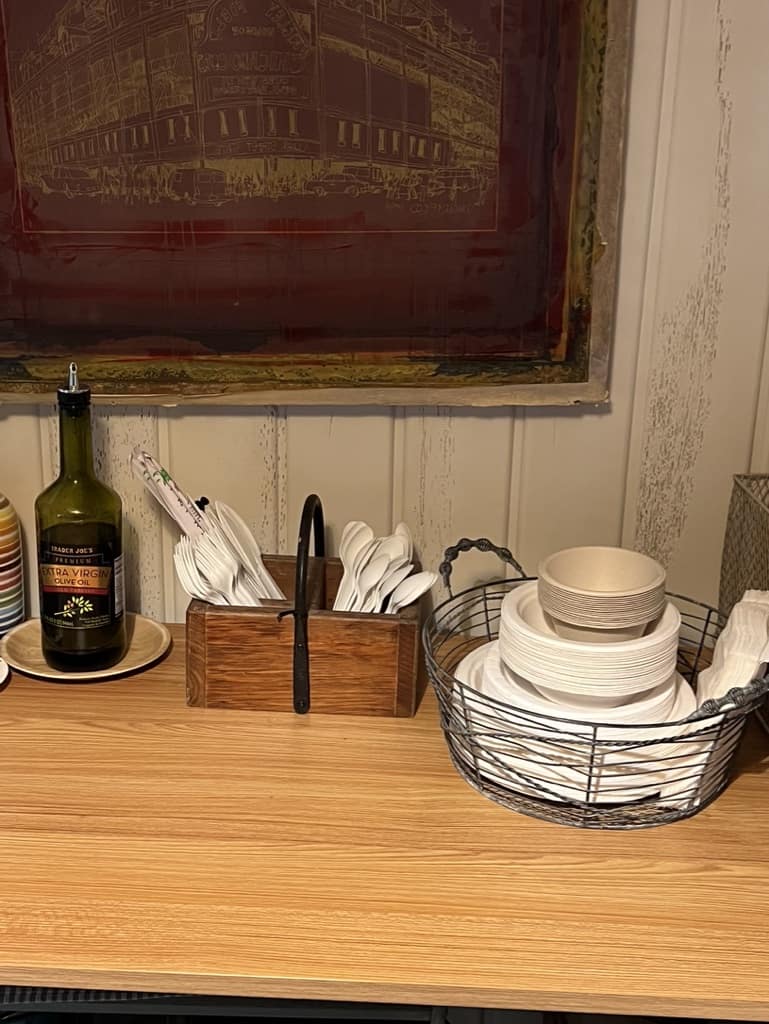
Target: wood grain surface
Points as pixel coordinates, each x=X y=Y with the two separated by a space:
x=147 y=845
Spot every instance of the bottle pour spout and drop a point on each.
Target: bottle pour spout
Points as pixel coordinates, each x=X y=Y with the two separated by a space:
x=73 y=394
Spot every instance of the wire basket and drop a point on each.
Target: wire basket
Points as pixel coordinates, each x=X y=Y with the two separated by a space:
x=745 y=557
x=585 y=774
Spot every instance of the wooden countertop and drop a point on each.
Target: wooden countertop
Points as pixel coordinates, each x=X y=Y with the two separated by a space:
x=146 y=845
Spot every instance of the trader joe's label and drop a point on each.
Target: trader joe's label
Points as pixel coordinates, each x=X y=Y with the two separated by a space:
x=80 y=587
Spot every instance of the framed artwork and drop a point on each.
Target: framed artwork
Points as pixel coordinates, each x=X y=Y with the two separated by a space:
x=385 y=201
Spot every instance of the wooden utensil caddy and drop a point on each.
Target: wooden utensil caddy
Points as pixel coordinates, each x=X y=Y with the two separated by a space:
x=298 y=653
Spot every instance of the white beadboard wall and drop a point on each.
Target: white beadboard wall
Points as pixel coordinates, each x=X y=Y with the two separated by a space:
x=689 y=386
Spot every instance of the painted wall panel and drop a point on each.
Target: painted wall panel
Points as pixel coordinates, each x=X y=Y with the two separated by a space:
x=457 y=480
x=344 y=456
x=690 y=384
x=707 y=311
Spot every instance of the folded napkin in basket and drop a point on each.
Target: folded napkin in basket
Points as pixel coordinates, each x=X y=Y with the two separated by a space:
x=741 y=649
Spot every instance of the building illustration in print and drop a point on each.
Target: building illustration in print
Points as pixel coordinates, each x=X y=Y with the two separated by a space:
x=377 y=113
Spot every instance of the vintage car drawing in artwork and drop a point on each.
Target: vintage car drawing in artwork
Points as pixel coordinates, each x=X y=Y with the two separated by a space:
x=200 y=185
x=69 y=181
x=385 y=109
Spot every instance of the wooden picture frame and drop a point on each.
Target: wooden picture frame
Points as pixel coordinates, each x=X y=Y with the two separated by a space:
x=312 y=201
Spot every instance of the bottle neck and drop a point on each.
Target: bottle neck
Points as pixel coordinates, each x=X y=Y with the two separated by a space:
x=75 y=447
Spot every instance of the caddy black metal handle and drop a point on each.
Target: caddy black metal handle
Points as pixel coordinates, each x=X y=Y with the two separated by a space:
x=481 y=544
x=312 y=520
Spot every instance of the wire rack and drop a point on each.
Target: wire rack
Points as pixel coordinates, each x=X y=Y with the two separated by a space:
x=580 y=773
x=745 y=556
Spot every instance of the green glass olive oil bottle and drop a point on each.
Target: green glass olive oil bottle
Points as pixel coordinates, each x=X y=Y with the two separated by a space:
x=80 y=550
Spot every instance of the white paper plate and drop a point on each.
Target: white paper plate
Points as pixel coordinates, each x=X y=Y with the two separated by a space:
x=533 y=650
x=522 y=612
x=597 y=772
x=653 y=705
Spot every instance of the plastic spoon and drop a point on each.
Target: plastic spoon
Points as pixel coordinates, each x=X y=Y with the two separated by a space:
x=373 y=602
x=390 y=582
x=350 y=529
x=367 y=580
x=402 y=530
x=410 y=590
x=394 y=547
x=357 y=536
x=355 y=544
x=389 y=547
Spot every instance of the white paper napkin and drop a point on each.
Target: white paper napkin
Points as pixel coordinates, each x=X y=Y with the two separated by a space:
x=740 y=650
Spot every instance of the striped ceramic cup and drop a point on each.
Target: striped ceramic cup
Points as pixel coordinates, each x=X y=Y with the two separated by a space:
x=11 y=568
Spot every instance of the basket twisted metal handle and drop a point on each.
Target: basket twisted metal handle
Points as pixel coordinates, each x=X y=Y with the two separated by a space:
x=480 y=544
x=737 y=697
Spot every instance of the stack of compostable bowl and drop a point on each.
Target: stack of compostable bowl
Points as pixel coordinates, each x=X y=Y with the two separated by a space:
x=601 y=594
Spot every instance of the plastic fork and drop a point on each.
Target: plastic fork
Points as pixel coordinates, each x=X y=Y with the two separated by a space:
x=251 y=583
x=189 y=575
x=222 y=571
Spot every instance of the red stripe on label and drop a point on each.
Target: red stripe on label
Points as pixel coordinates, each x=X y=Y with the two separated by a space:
x=75 y=590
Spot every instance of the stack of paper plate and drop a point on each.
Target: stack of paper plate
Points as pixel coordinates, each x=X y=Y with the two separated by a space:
x=518 y=739
x=587 y=675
